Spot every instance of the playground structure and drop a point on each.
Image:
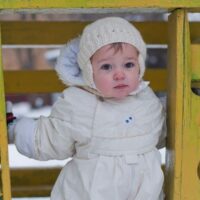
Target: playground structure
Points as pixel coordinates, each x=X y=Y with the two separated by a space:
x=180 y=79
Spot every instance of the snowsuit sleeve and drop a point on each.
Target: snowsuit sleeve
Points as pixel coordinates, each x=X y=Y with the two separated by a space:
x=47 y=137
x=54 y=134
x=69 y=125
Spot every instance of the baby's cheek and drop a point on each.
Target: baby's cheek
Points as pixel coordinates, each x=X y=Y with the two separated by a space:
x=103 y=86
x=135 y=84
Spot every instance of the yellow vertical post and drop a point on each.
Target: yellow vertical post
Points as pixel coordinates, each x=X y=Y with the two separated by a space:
x=183 y=148
x=175 y=104
x=190 y=188
x=5 y=173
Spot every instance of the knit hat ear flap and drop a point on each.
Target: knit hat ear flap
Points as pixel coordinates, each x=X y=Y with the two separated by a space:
x=141 y=65
x=88 y=75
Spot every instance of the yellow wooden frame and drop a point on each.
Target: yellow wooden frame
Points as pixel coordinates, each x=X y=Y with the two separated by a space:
x=83 y=4
x=183 y=72
x=5 y=173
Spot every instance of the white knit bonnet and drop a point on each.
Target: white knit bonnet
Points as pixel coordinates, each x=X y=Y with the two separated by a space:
x=103 y=32
x=73 y=64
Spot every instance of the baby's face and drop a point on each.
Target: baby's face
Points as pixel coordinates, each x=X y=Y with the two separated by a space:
x=116 y=74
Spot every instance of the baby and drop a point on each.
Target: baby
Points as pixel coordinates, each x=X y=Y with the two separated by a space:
x=108 y=119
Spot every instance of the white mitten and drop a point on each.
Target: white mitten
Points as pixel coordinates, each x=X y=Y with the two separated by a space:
x=21 y=132
x=24 y=136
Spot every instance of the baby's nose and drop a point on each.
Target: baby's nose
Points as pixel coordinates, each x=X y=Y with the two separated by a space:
x=119 y=75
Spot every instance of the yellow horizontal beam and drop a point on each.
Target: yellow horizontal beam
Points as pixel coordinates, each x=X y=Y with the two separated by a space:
x=51 y=4
x=33 y=181
x=46 y=81
x=43 y=81
x=50 y=33
x=44 y=33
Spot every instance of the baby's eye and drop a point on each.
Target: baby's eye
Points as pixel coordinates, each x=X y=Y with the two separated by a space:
x=106 y=67
x=129 y=65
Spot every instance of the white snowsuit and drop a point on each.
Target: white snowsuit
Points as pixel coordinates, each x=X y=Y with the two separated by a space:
x=112 y=144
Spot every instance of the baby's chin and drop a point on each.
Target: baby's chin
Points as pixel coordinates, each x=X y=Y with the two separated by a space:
x=117 y=97
x=118 y=94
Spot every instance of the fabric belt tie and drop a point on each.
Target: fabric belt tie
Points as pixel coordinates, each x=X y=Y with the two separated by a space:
x=128 y=147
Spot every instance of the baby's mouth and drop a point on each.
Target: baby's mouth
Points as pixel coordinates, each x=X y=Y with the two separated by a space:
x=121 y=86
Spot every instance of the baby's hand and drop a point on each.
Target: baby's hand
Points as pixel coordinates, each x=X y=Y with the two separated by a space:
x=11 y=121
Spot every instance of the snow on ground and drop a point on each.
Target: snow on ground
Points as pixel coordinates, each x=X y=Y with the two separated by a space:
x=17 y=160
